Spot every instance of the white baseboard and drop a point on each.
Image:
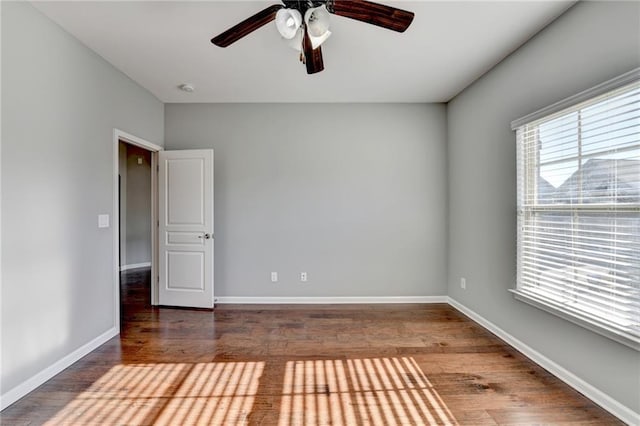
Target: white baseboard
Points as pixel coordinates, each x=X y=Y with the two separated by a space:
x=38 y=379
x=135 y=266
x=622 y=412
x=329 y=300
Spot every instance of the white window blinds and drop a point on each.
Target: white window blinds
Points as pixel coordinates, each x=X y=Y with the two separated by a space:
x=579 y=211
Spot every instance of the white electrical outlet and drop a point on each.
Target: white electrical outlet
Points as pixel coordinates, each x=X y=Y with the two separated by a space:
x=463 y=283
x=303 y=277
x=274 y=277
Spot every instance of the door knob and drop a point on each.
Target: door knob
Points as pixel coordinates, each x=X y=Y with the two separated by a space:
x=205 y=236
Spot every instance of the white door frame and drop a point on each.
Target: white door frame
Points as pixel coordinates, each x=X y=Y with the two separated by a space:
x=119 y=135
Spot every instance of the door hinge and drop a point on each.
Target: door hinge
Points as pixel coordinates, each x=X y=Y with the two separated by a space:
x=158 y=168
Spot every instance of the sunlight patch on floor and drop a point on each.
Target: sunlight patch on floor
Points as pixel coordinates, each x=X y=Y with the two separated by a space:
x=379 y=391
x=371 y=391
x=167 y=394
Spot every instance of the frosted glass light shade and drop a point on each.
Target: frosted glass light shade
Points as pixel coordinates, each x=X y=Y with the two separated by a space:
x=296 y=40
x=317 y=41
x=288 y=21
x=317 y=23
x=317 y=20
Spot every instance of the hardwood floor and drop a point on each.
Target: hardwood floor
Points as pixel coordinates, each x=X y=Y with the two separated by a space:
x=301 y=365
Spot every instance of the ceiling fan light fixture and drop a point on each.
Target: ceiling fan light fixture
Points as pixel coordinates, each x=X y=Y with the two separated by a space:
x=288 y=21
x=317 y=23
x=317 y=41
x=317 y=20
x=296 y=41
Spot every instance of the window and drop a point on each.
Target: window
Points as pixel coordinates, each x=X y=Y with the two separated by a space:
x=579 y=209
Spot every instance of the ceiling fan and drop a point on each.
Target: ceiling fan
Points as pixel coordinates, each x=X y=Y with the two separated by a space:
x=305 y=24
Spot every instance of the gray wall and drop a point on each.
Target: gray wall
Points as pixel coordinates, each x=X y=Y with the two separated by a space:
x=60 y=103
x=591 y=43
x=138 y=235
x=355 y=195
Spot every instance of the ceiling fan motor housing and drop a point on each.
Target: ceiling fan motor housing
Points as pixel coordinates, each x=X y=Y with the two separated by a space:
x=304 y=5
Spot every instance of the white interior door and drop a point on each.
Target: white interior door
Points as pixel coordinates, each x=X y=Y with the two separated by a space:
x=185 y=200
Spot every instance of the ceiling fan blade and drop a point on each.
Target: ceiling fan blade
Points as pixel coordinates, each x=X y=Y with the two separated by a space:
x=247 y=26
x=372 y=13
x=313 y=57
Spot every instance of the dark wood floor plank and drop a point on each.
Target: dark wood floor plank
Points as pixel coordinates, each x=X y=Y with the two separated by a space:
x=301 y=365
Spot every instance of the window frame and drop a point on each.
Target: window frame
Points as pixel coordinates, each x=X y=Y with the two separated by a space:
x=562 y=310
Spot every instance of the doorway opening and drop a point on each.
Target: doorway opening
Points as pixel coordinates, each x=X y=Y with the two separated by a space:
x=134 y=199
x=135 y=220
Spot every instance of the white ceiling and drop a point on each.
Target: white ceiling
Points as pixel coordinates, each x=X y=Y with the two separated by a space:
x=163 y=44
